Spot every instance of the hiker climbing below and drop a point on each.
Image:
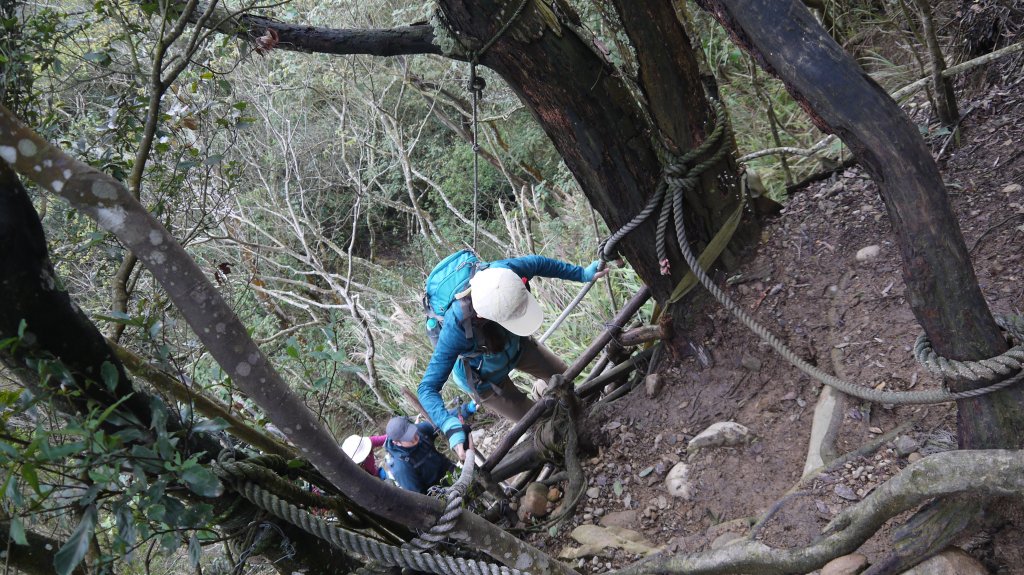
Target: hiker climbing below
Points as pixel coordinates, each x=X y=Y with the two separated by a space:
x=360 y=449
x=415 y=463
x=485 y=333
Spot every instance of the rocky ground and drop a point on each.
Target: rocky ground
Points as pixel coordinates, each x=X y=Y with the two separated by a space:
x=827 y=279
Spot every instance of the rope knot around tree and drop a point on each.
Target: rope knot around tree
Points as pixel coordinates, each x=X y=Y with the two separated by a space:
x=452 y=43
x=679 y=177
x=994 y=370
x=453 y=497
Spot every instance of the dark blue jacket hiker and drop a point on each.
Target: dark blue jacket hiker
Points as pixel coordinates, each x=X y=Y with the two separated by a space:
x=415 y=464
x=481 y=352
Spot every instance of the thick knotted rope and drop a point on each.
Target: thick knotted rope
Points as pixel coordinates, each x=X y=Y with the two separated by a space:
x=454 y=496
x=265 y=470
x=997 y=368
x=678 y=179
x=677 y=173
x=350 y=541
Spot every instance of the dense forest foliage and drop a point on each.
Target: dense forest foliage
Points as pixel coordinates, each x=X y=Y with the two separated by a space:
x=315 y=191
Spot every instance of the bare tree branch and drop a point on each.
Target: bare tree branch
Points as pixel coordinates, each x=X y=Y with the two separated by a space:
x=414 y=39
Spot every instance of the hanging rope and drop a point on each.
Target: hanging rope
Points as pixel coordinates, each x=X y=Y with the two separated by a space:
x=476 y=87
x=451 y=44
x=679 y=179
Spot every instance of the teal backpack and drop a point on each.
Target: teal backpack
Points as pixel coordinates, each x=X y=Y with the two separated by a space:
x=448 y=278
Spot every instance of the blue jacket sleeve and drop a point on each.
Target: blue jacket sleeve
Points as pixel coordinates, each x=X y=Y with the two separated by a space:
x=534 y=266
x=451 y=343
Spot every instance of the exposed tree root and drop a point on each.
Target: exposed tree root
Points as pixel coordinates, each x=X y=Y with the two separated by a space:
x=928 y=532
x=979 y=473
x=828 y=413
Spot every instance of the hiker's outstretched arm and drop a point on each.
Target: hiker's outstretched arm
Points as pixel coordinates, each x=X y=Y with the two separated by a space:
x=450 y=344
x=540 y=266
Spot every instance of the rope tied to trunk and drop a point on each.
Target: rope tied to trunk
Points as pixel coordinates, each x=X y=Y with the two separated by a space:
x=453 y=496
x=451 y=43
x=1001 y=371
x=239 y=476
x=677 y=177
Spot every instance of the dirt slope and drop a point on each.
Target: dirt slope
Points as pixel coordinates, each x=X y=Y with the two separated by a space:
x=847 y=315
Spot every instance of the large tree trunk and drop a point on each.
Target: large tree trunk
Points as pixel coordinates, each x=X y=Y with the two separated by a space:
x=670 y=79
x=595 y=121
x=941 y=286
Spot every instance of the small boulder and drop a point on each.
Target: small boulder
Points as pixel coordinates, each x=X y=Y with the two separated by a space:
x=721 y=434
x=534 y=503
x=624 y=519
x=678 y=482
x=594 y=539
x=868 y=253
x=951 y=561
x=905 y=446
x=750 y=363
x=846 y=492
x=851 y=564
x=653 y=384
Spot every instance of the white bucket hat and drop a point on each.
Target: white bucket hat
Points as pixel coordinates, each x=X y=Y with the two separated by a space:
x=500 y=295
x=356 y=447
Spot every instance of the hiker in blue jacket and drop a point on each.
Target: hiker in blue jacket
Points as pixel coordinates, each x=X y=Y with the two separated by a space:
x=415 y=464
x=486 y=333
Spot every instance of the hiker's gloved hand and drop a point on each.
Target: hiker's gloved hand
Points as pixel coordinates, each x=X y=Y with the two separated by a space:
x=594 y=271
x=458 y=437
x=464 y=411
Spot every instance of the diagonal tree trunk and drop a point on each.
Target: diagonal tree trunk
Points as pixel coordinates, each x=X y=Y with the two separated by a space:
x=941 y=286
x=107 y=201
x=56 y=328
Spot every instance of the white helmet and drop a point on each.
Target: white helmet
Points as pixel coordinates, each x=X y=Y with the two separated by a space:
x=357 y=447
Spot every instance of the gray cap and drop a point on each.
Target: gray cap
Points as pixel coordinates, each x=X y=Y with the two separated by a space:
x=401 y=429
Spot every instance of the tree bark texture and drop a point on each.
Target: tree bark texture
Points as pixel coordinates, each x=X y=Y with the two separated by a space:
x=595 y=121
x=941 y=285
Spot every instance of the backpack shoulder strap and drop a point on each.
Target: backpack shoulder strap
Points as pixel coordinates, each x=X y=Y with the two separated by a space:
x=468 y=315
